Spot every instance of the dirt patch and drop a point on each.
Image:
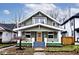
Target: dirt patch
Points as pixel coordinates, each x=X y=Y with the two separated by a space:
x=14 y=51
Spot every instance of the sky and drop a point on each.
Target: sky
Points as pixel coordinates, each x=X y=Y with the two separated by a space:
x=10 y=11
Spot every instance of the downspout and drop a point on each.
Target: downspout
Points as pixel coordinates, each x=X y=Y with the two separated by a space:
x=74 y=29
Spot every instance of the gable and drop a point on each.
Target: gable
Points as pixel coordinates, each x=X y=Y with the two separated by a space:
x=39 y=13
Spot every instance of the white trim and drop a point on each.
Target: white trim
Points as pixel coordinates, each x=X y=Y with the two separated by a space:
x=36 y=11
x=19 y=34
x=26 y=27
x=59 y=36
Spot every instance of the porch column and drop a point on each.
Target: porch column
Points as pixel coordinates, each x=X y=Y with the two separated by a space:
x=19 y=33
x=59 y=36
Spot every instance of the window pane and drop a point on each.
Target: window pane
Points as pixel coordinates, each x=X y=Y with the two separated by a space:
x=36 y=21
x=50 y=36
x=55 y=35
x=42 y=21
x=27 y=36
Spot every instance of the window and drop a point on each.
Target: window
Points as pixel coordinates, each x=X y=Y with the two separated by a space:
x=71 y=22
x=36 y=20
x=55 y=35
x=28 y=35
x=0 y=33
x=42 y=20
x=53 y=23
x=50 y=35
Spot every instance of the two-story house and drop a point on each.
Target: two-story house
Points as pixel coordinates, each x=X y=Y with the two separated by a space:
x=72 y=27
x=39 y=30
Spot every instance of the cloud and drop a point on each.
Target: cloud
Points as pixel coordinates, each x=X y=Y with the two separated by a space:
x=6 y=12
x=74 y=11
x=40 y=6
x=48 y=7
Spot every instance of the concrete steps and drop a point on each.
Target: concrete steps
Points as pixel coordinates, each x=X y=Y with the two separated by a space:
x=38 y=49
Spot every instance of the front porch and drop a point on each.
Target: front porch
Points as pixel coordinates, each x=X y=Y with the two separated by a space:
x=40 y=39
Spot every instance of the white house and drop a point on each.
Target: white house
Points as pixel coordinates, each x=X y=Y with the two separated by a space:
x=39 y=30
x=6 y=33
x=72 y=27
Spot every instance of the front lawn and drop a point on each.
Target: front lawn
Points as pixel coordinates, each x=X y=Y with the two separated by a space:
x=67 y=48
x=2 y=45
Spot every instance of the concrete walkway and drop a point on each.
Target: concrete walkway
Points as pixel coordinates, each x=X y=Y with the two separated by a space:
x=39 y=53
x=2 y=49
x=39 y=49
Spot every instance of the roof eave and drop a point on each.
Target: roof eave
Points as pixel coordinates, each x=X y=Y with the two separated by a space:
x=52 y=27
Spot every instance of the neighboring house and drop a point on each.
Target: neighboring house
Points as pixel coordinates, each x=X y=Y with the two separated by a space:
x=6 y=33
x=39 y=30
x=72 y=27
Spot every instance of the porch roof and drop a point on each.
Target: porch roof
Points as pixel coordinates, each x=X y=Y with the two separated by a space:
x=39 y=24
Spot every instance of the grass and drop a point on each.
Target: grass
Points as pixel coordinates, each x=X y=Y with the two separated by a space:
x=68 y=48
x=6 y=44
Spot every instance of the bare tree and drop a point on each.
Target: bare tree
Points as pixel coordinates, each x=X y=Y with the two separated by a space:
x=53 y=13
x=18 y=16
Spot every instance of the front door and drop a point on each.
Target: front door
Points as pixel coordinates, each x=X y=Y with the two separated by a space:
x=39 y=37
x=39 y=42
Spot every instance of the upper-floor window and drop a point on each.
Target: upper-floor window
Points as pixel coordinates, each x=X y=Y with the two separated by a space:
x=53 y=23
x=42 y=20
x=71 y=22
